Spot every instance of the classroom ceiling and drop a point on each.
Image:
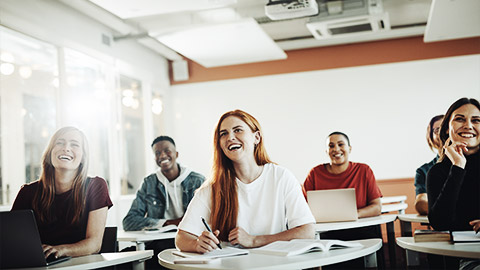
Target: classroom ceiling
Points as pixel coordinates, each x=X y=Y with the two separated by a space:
x=227 y=32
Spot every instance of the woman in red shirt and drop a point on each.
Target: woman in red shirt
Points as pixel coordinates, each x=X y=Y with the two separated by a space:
x=342 y=173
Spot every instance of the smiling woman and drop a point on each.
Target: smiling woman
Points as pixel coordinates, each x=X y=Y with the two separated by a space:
x=342 y=173
x=249 y=201
x=70 y=208
x=453 y=184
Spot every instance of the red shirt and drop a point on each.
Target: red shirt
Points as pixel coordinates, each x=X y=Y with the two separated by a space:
x=357 y=175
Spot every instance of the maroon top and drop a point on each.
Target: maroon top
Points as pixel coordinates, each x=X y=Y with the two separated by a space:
x=59 y=231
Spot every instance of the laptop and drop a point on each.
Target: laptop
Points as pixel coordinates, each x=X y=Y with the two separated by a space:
x=20 y=244
x=333 y=205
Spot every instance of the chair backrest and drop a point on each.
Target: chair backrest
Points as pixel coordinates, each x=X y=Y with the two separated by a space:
x=394 y=203
x=109 y=242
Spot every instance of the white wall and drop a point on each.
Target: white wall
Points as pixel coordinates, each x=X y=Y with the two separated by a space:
x=383 y=108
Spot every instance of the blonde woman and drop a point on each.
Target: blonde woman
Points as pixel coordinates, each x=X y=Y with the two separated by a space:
x=70 y=208
x=249 y=201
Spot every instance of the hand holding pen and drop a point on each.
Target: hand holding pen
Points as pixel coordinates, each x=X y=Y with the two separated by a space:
x=210 y=230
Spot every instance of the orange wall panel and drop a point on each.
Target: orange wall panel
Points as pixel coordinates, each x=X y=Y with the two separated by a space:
x=340 y=56
x=397 y=187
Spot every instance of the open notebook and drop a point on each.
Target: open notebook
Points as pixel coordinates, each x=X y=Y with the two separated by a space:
x=196 y=258
x=300 y=246
x=168 y=228
x=465 y=237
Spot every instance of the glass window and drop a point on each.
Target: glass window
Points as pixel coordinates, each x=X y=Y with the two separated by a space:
x=157 y=109
x=28 y=90
x=133 y=134
x=85 y=105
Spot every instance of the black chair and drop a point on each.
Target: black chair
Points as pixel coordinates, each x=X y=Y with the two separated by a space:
x=109 y=242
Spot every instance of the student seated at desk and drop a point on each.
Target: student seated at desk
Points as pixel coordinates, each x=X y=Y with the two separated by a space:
x=341 y=173
x=70 y=208
x=435 y=144
x=453 y=184
x=249 y=201
x=164 y=195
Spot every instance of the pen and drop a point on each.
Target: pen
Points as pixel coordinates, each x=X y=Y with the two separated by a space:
x=210 y=230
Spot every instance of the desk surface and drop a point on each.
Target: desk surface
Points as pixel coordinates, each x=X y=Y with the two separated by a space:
x=413 y=218
x=99 y=260
x=361 y=222
x=441 y=248
x=140 y=236
x=261 y=261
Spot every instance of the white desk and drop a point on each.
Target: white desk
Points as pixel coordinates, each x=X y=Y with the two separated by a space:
x=406 y=229
x=406 y=222
x=361 y=222
x=441 y=248
x=260 y=261
x=100 y=260
x=364 y=222
x=140 y=237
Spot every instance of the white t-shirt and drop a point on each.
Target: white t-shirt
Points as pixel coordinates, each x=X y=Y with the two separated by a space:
x=173 y=193
x=266 y=205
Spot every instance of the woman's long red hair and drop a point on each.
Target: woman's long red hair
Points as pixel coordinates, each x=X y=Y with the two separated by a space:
x=224 y=188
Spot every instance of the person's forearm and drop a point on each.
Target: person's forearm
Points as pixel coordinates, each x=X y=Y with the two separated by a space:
x=185 y=241
x=137 y=223
x=306 y=231
x=421 y=204
x=81 y=248
x=372 y=210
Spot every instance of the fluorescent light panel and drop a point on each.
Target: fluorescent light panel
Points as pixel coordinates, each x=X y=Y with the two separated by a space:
x=233 y=43
x=127 y=9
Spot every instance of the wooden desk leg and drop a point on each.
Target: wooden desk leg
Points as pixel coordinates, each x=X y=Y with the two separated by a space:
x=391 y=244
x=370 y=261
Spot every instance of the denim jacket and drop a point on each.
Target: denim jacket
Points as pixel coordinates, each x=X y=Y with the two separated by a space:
x=149 y=205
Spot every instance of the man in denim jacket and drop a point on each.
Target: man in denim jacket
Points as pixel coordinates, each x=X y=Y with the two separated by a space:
x=164 y=195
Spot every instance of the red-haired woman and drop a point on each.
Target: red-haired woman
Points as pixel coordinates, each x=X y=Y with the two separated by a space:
x=70 y=208
x=249 y=201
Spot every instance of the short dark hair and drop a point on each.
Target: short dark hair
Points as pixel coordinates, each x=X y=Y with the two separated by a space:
x=163 y=138
x=340 y=133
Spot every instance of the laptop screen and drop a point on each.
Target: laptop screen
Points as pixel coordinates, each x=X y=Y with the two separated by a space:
x=20 y=244
x=333 y=205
